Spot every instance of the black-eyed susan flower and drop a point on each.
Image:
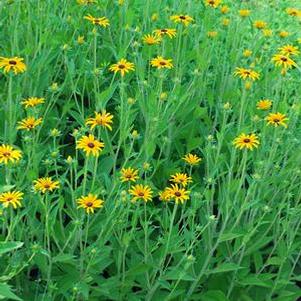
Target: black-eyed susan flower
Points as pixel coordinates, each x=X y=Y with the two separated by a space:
x=11 y=198
x=264 y=104
x=164 y=195
x=80 y=40
x=15 y=64
x=160 y=62
x=185 y=19
x=90 y=202
x=123 y=66
x=170 y=32
x=244 y=12
x=260 y=24
x=141 y=192
x=283 y=34
x=277 y=119
x=225 y=9
x=151 y=39
x=103 y=119
x=45 y=184
x=246 y=141
x=32 y=102
x=29 y=123
x=289 y=50
x=247 y=53
x=90 y=145
x=283 y=61
x=212 y=34
x=225 y=21
x=246 y=74
x=294 y=12
x=213 y=3
x=181 y=178
x=9 y=154
x=102 y=21
x=192 y=159
x=178 y=194
x=267 y=32
x=85 y=2
x=129 y=175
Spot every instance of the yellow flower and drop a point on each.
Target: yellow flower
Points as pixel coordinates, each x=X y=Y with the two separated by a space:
x=283 y=34
x=289 y=50
x=32 y=102
x=151 y=39
x=141 y=192
x=277 y=119
x=80 y=40
x=246 y=141
x=213 y=3
x=154 y=17
x=212 y=34
x=244 y=12
x=90 y=145
x=267 y=32
x=159 y=62
x=180 y=195
x=185 y=19
x=129 y=175
x=102 y=119
x=259 y=24
x=225 y=9
x=192 y=159
x=45 y=184
x=15 y=64
x=102 y=21
x=225 y=21
x=29 y=123
x=89 y=203
x=246 y=73
x=85 y=2
x=123 y=66
x=294 y=12
x=248 y=85
x=9 y=154
x=181 y=178
x=284 y=61
x=170 y=32
x=247 y=52
x=11 y=198
x=164 y=195
x=264 y=104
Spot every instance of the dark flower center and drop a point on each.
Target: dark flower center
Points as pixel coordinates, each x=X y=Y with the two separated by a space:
x=6 y=154
x=12 y=62
x=91 y=144
x=96 y=21
x=162 y=63
x=284 y=59
x=276 y=120
x=164 y=30
x=9 y=199
x=182 y=17
x=141 y=194
x=121 y=66
x=247 y=140
x=46 y=186
x=178 y=194
x=89 y=204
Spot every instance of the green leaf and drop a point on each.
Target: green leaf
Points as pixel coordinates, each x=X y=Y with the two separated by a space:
x=229 y=236
x=9 y=246
x=5 y=292
x=214 y=296
x=103 y=97
x=225 y=267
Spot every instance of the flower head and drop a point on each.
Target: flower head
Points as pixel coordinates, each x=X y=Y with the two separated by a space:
x=192 y=159
x=11 y=198
x=102 y=21
x=259 y=24
x=29 y=123
x=103 y=119
x=123 y=66
x=185 y=19
x=129 y=174
x=9 y=154
x=32 y=102
x=225 y=9
x=90 y=145
x=159 y=62
x=89 y=203
x=246 y=74
x=170 y=32
x=283 y=61
x=277 y=119
x=213 y=3
x=181 y=178
x=151 y=39
x=15 y=64
x=45 y=184
x=294 y=12
x=246 y=141
x=180 y=195
x=164 y=195
x=288 y=50
x=264 y=104
x=141 y=192
x=244 y=12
